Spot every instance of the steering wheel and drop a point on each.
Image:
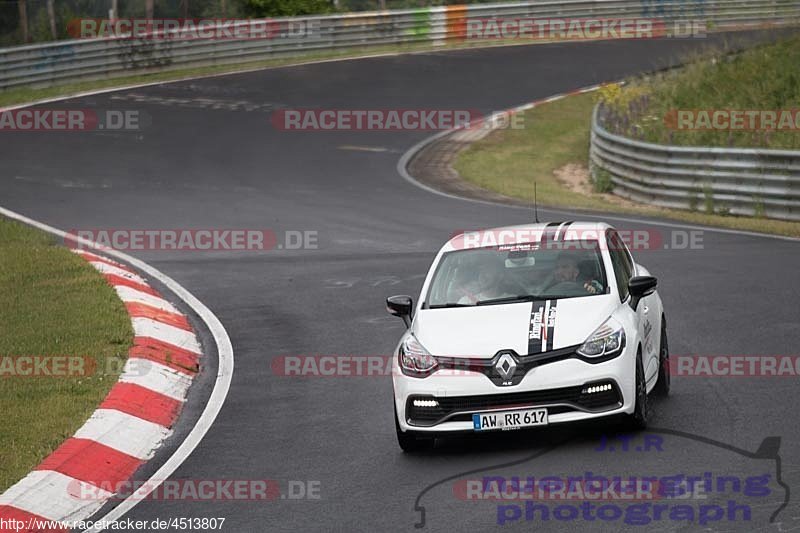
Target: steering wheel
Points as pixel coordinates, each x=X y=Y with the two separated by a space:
x=521 y=289
x=568 y=288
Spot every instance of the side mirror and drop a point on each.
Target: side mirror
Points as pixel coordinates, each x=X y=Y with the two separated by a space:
x=401 y=306
x=639 y=287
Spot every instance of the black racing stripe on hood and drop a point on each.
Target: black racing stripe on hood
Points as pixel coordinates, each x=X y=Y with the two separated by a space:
x=542 y=326
x=550 y=324
x=535 y=336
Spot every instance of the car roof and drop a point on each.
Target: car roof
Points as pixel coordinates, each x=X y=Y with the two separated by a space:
x=526 y=233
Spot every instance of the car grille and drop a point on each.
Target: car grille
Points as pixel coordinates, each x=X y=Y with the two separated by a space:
x=573 y=397
x=524 y=363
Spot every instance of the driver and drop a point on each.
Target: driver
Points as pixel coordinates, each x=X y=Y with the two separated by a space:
x=488 y=284
x=567 y=271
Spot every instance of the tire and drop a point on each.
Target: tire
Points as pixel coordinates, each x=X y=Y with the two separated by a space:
x=641 y=410
x=664 y=371
x=411 y=441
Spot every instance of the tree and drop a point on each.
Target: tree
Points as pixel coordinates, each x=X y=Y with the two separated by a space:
x=285 y=8
x=23 y=20
x=51 y=15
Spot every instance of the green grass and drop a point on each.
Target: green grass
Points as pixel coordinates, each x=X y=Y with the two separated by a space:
x=52 y=302
x=762 y=78
x=509 y=161
x=554 y=135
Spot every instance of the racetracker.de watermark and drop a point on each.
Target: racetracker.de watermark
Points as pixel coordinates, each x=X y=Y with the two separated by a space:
x=73 y=366
x=733 y=119
x=495 y=488
x=735 y=366
x=48 y=366
x=566 y=238
x=319 y=366
x=199 y=490
x=70 y=120
x=189 y=29
x=355 y=366
x=392 y=119
x=200 y=240
x=582 y=28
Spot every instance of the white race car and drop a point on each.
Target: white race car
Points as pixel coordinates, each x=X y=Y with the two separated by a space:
x=526 y=326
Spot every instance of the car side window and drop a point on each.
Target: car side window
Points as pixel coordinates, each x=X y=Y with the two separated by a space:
x=623 y=266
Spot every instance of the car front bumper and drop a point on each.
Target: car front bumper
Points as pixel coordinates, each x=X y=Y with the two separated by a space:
x=560 y=386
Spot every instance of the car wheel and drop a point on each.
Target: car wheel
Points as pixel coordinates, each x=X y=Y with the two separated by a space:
x=641 y=411
x=664 y=372
x=411 y=441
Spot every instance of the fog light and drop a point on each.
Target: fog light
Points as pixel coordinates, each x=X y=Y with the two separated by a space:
x=597 y=388
x=426 y=403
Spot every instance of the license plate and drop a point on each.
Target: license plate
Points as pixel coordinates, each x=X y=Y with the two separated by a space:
x=506 y=420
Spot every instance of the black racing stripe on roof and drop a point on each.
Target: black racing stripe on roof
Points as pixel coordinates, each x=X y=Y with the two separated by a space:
x=549 y=232
x=564 y=229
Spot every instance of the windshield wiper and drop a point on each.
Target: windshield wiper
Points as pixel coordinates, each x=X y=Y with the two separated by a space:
x=565 y=296
x=451 y=304
x=508 y=299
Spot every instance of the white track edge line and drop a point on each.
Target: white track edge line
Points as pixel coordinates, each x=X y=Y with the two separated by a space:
x=221 y=384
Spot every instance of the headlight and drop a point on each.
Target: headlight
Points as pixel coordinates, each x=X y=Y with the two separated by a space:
x=606 y=341
x=415 y=359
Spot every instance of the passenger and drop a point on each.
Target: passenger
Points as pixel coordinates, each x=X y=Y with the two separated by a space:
x=488 y=284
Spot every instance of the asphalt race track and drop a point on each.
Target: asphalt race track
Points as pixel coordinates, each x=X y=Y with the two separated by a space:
x=207 y=162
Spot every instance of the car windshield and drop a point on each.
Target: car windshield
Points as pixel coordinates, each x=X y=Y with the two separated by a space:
x=518 y=273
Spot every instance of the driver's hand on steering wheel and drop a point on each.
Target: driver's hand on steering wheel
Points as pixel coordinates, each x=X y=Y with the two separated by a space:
x=591 y=287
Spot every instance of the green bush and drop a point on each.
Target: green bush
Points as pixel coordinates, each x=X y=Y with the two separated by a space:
x=602 y=181
x=694 y=199
x=758 y=207
x=708 y=199
x=285 y=8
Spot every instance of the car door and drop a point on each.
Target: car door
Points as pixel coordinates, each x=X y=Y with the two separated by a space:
x=624 y=270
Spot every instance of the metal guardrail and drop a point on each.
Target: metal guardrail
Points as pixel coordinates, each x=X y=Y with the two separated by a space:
x=742 y=181
x=66 y=61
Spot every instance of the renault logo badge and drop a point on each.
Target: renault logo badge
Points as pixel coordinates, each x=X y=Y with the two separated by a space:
x=506 y=366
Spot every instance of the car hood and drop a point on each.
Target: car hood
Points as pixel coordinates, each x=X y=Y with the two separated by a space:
x=526 y=327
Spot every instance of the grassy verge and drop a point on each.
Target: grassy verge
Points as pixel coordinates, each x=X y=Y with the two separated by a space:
x=763 y=78
x=52 y=302
x=553 y=149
